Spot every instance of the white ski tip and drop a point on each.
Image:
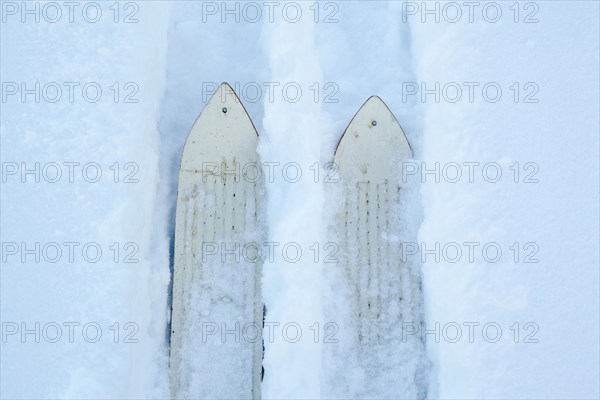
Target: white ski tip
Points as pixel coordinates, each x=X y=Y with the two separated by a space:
x=373 y=145
x=223 y=130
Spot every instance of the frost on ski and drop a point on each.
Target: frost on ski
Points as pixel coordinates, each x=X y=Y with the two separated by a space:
x=375 y=357
x=216 y=346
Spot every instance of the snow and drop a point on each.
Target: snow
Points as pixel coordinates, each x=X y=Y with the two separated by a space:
x=559 y=214
x=292 y=134
x=174 y=55
x=100 y=214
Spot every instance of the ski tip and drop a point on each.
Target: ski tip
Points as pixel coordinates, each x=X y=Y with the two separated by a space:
x=374 y=99
x=230 y=97
x=225 y=105
x=226 y=85
x=225 y=90
x=376 y=103
x=223 y=130
x=373 y=138
x=375 y=115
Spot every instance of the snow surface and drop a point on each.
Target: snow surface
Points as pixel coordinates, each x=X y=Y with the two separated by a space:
x=172 y=54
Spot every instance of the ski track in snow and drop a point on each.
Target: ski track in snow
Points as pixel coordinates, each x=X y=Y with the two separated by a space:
x=175 y=58
x=385 y=54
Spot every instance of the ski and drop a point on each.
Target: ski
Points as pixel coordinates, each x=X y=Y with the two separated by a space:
x=216 y=351
x=382 y=291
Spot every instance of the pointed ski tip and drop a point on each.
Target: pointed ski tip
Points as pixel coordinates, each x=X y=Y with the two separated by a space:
x=373 y=133
x=225 y=87
x=229 y=98
x=374 y=98
x=372 y=108
x=225 y=93
x=376 y=102
x=223 y=129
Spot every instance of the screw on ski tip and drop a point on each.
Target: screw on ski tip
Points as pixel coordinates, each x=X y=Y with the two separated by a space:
x=224 y=110
x=374 y=123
